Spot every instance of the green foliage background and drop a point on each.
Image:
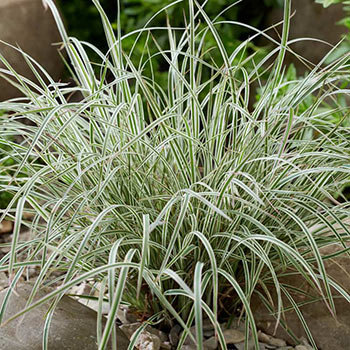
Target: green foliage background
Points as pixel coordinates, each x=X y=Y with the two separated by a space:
x=83 y=21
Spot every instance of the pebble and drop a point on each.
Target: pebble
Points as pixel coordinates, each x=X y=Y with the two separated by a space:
x=86 y=290
x=122 y=316
x=207 y=325
x=209 y=333
x=303 y=347
x=148 y=341
x=166 y=345
x=277 y=342
x=32 y=272
x=251 y=346
x=6 y=226
x=211 y=343
x=233 y=336
x=189 y=347
x=271 y=340
x=305 y=342
x=4 y=281
x=269 y=346
x=236 y=323
x=161 y=335
x=81 y=289
x=174 y=335
x=154 y=339
x=130 y=328
x=129 y=316
x=189 y=340
x=94 y=305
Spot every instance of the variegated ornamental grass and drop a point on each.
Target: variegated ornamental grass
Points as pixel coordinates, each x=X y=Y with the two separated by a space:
x=182 y=202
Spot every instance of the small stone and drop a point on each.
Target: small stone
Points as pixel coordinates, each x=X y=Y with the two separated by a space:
x=6 y=226
x=265 y=338
x=233 y=336
x=147 y=341
x=277 y=342
x=174 y=335
x=236 y=323
x=302 y=347
x=4 y=281
x=129 y=316
x=125 y=316
x=166 y=345
x=32 y=272
x=189 y=347
x=130 y=328
x=207 y=325
x=211 y=343
x=94 y=305
x=161 y=335
x=81 y=289
x=208 y=333
x=122 y=316
x=189 y=340
x=251 y=346
x=305 y=342
x=86 y=290
x=269 y=346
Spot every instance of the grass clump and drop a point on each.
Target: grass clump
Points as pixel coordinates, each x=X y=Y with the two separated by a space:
x=183 y=202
